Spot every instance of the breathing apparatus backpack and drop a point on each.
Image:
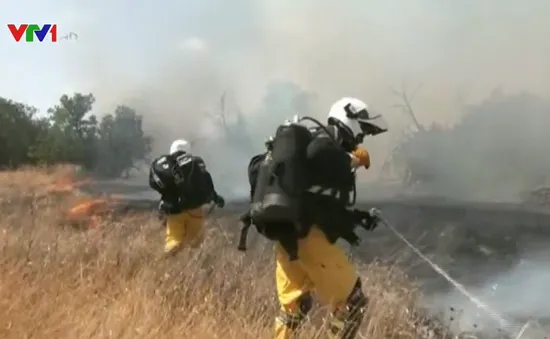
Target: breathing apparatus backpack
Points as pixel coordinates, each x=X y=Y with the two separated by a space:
x=282 y=181
x=183 y=178
x=282 y=176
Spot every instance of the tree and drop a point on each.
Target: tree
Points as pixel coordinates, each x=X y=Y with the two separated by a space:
x=121 y=142
x=71 y=135
x=406 y=106
x=19 y=130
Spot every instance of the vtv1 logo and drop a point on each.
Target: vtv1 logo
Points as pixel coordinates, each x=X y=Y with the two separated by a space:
x=30 y=30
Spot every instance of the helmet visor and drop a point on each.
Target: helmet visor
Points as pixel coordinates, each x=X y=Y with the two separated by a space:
x=370 y=124
x=374 y=125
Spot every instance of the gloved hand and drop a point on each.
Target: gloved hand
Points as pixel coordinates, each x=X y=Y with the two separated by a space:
x=167 y=207
x=368 y=220
x=374 y=219
x=219 y=201
x=246 y=219
x=360 y=157
x=375 y=213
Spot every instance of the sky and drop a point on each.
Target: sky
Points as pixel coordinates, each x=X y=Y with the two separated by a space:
x=173 y=59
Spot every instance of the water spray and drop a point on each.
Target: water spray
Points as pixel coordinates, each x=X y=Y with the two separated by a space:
x=514 y=330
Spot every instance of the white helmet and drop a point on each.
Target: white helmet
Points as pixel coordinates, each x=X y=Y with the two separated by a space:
x=180 y=145
x=354 y=117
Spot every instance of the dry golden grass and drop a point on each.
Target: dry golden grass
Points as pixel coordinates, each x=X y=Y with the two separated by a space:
x=112 y=282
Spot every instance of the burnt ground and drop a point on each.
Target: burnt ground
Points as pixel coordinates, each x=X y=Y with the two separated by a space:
x=497 y=251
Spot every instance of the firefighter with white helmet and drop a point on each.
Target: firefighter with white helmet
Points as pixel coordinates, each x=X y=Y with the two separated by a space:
x=353 y=120
x=307 y=259
x=185 y=186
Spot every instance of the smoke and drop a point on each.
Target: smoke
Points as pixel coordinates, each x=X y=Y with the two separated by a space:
x=173 y=60
x=497 y=152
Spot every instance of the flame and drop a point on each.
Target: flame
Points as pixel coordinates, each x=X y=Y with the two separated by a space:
x=88 y=207
x=64 y=180
x=90 y=211
x=87 y=211
x=66 y=185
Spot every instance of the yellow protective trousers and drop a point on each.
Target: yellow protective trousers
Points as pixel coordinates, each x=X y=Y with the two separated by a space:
x=322 y=268
x=184 y=229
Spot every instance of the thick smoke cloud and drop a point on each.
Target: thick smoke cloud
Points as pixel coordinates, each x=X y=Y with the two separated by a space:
x=174 y=60
x=497 y=152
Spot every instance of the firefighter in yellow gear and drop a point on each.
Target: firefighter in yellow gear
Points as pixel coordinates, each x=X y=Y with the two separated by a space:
x=323 y=269
x=184 y=228
x=185 y=186
x=319 y=267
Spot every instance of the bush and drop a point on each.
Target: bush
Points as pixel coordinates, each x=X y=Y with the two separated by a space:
x=69 y=133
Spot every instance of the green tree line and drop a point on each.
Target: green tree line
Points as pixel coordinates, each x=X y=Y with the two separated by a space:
x=70 y=133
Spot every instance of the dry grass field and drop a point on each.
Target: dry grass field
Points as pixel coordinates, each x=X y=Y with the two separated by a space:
x=111 y=281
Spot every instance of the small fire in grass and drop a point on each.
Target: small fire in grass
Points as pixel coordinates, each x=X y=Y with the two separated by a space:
x=66 y=184
x=88 y=211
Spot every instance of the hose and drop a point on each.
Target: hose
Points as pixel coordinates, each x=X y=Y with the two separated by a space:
x=503 y=323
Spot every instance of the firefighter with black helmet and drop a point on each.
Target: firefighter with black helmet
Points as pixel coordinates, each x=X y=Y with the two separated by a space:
x=307 y=259
x=185 y=185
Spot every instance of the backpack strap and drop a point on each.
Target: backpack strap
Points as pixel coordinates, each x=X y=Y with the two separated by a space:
x=243 y=237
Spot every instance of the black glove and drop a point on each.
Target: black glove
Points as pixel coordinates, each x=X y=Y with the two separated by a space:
x=368 y=220
x=168 y=207
x=219 y=201
x=373 y=220
x=246 y=219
